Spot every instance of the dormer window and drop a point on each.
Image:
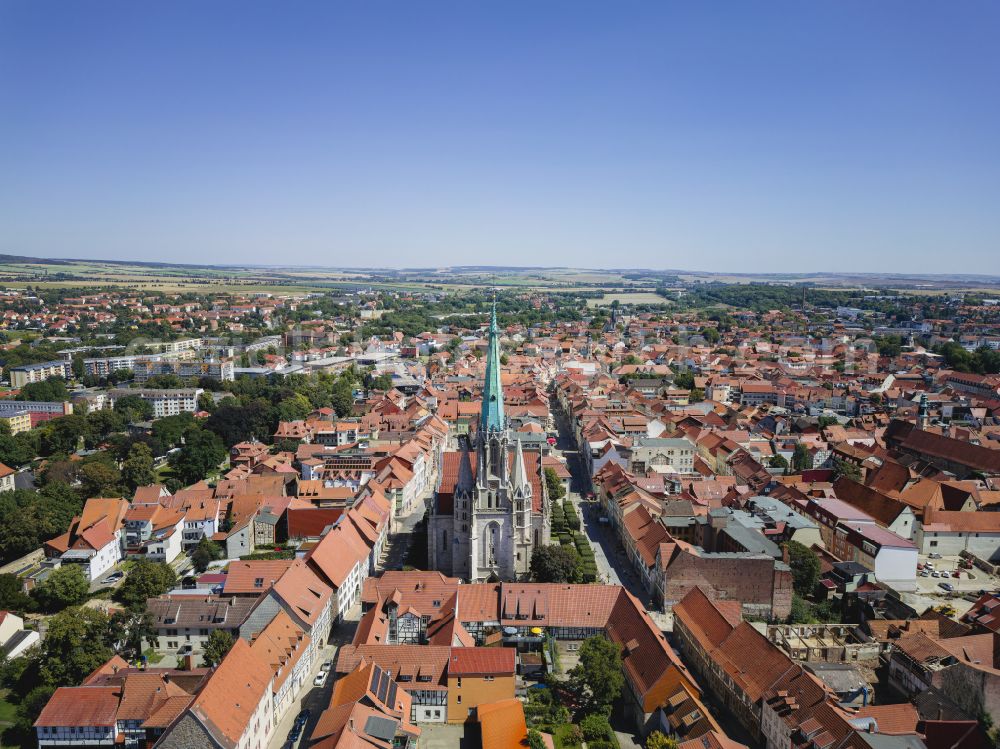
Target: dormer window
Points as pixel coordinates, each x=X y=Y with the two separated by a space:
x=258 y=582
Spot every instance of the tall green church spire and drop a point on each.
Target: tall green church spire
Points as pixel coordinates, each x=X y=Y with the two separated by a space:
x=491 y=416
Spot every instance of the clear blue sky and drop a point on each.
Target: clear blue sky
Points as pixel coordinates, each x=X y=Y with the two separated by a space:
x=706 y=135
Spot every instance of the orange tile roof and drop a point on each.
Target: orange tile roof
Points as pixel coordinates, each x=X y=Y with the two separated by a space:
x=280 y=645
x=303 y=591
x=481 y=661
x=81 y=707
x=232 y=693
x=243 y=577
x=337 y=552
x=502 y=725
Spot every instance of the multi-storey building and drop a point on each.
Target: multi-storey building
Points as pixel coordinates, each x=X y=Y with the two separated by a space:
x=28 y=373
x=164 y=402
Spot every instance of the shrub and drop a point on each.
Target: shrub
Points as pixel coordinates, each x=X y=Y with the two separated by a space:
x=595 y=727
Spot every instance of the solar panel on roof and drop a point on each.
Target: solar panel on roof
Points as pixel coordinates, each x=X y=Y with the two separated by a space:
x=383 y=688
x=376 y=675
x=391 y=701
x=380 y=728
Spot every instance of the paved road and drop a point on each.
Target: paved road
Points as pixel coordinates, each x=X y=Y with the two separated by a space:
x=316 y=699
x=608 y=551
x=399 y=542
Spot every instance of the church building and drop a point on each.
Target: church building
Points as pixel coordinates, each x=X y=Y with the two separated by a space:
x=490 y=509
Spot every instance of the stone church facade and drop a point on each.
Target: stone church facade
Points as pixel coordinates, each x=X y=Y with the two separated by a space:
x=490 y=509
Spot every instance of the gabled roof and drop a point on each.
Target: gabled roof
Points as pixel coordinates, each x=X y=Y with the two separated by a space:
x=232 y=693
x=80 y=707
x=502 y=725
x=481 y=661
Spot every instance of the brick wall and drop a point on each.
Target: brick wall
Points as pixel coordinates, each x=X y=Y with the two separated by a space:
x=754 y=581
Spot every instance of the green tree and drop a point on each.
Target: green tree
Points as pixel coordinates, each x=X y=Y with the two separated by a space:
x=800 y=612
x=77 y=641
x=63 y=435
x=12 y=595
x=132 y=629
x=802 y=459
x=597 y=679
x=17 y=450
x=238 y=422
x=382 y=382
x=66 y=586
x=205 y=553
x=554 y=485
x=846 y=469
x=684 y=380
x=104 y=423
x=201 y=454
x=99 y=479
x=342 y=397
x=134 y=408
x=170 y=430
x=219 y=643
x=52 y=389
x=28 y=518
x=535 y=740
x=146 y=580
x=595 y=727
x=294 y=408
x=805 y=567
x=137 y=470
x=206 y=402
x=659 y=740
x=555 y=563
x=778 y=461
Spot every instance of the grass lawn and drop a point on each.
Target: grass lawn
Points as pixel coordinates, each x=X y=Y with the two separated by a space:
x=562 y=738
x=6 y=710
x=152 y=656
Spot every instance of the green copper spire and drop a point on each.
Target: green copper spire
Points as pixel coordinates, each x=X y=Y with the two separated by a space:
x=491 y=415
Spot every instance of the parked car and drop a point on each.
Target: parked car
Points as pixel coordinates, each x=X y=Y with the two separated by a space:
x=947 y=586
x=933 y=555
x=929 y=565
x=956 y=573
x=320 y=679
x=935 y=573
x=924 y=573
x=114 y=577
x=327 y=665
x=302 y=718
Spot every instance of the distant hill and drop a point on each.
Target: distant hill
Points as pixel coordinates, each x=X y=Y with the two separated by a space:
x=5 y=259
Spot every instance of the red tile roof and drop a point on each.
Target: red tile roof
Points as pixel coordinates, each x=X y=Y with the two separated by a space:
x=502 y=725
x=232 y=694
x=81 y=707
x=481 y=661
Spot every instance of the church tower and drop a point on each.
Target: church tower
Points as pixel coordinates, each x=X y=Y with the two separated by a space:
x=492 y=515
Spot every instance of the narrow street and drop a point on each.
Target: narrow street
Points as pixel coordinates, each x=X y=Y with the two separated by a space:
x=609 y=554
x=312 y=698
x=399 y=542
